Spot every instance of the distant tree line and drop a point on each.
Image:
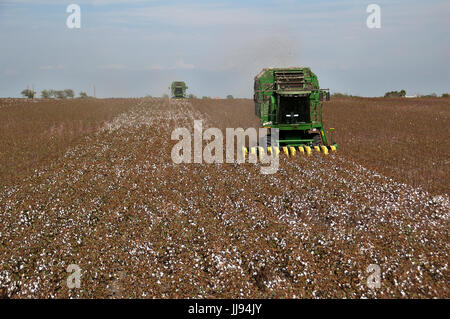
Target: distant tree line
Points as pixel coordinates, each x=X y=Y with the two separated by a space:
x=338 y=95
x=192 y=96
x=69 y=93
x=401 y=93
x=57 y=94
x=28 y=93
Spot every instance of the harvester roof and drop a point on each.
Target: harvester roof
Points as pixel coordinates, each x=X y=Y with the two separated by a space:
x=287 y=70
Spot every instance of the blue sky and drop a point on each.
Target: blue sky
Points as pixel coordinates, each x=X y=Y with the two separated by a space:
x=137 y=47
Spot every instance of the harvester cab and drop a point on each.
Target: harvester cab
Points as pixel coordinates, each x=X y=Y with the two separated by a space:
x=178 y=90
x=290 y=100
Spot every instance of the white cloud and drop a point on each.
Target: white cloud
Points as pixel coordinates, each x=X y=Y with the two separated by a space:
x=155 y=67
x=218 y=14
x=112 y=67
x=179 y=65
x=182 y=65
x=10 y=72
x=52 y=67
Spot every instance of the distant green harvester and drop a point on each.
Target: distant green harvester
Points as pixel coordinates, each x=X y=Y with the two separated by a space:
x=178 y=89
x=290 y=99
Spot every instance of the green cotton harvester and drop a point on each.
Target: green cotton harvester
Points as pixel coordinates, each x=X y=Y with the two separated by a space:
x=178 y=90
x=290 y=100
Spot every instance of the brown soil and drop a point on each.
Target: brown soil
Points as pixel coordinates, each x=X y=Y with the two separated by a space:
x=139 y=225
